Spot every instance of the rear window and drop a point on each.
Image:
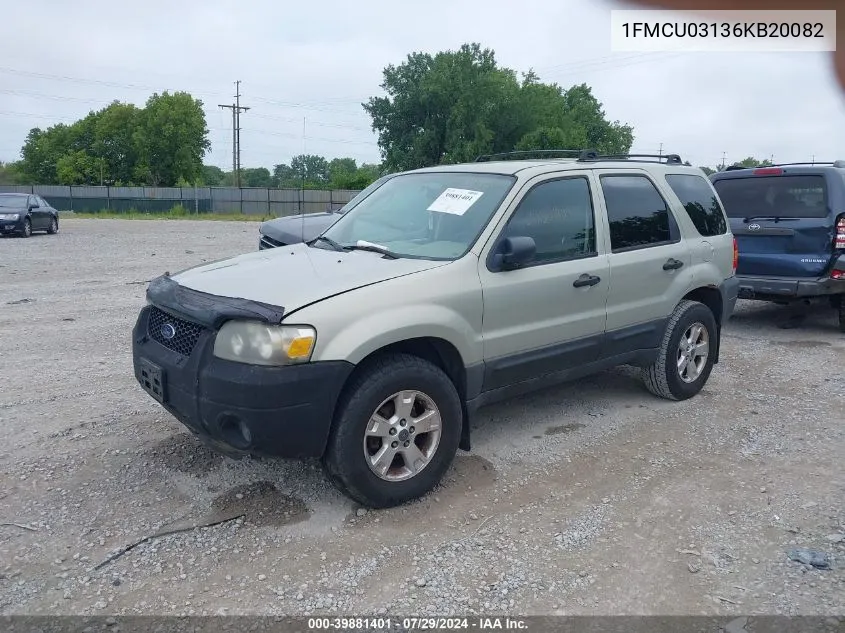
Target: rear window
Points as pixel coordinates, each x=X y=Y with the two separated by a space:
x=774 y=196
x=701 y=203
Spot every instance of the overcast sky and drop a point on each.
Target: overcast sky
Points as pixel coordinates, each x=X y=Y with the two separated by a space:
x=317 y=61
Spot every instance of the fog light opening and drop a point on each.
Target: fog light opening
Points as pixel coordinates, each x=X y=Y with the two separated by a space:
x=234 y=431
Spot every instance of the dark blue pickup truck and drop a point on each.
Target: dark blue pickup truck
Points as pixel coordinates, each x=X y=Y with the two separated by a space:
x=789 y=223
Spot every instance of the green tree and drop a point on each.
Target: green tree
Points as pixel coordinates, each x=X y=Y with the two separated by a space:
x=171 y=138
x=114 y=141
x=284 y=178
x=80 y=168
x=752 y=162
x=455 y=105
x=10 y=174
x=212 y=176
x=311 y=169
x=256 y=177
x=708 y=170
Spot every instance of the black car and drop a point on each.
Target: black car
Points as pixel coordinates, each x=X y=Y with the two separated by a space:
x=789 y=223
x=307 y=226
x=23 y=213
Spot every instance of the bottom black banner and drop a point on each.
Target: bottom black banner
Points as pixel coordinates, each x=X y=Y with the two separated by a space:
x=563 y=624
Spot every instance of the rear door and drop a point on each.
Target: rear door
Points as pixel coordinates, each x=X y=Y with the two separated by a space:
x=783 y=218
x=650 y=263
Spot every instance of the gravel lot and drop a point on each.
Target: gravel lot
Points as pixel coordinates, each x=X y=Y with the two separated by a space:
x=592 y=498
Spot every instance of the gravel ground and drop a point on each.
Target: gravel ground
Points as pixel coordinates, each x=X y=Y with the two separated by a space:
x=591 y=498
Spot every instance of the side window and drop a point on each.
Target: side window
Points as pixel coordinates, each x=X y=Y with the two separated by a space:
x=558 y=215
x=637 y=214
x=701 y=203
x=41 y=202
x=33 y=201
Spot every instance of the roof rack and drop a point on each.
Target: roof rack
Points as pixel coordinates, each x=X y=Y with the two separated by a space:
x=531 y=153
x=669 y=159
x=834 y=163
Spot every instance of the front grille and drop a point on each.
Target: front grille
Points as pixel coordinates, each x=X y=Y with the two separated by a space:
x=269 y=242
x=183 y=334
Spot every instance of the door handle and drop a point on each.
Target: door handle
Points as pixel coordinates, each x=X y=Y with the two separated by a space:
x=672 y=264
x=586 y=280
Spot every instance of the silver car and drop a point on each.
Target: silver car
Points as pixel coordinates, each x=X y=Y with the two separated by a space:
x=444 y=289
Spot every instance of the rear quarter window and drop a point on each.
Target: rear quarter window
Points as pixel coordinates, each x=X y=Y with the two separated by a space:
x=701 y=203
x=787 y=196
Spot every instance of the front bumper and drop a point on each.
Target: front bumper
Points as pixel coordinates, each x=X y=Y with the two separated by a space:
x=8 y=227
x=788 y=288
x=238 y=408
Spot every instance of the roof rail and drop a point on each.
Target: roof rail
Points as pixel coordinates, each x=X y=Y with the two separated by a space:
x=669 y=159
x=530 y=153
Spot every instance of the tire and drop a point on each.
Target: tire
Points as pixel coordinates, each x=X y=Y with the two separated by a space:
x=840 y=310
x=350 y=450
x=54 y=226
x=27 y=228
x=664 y=378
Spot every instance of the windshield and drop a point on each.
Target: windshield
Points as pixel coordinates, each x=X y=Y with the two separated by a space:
x=14 y=201
x=774 y=196
x=356 y=199
x=434 y=215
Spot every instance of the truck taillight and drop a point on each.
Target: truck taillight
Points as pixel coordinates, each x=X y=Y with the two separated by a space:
x=839 y=240
x=736 y=256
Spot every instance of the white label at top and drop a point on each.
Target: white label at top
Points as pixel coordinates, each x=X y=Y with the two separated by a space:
x=767 y=30
x=455 y=201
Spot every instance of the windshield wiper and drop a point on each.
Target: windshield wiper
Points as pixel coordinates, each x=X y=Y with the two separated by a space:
x=776 y=218
x=329 y=241
x=361 y=245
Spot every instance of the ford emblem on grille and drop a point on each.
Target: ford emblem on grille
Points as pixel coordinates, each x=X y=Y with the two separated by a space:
x=168 y=331
x=754 y=227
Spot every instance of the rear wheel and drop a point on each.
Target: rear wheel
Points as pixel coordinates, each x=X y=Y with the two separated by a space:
x=686 y=354
x=54 y=226
x=839 y=304
x=27 y=228
x=395 y=433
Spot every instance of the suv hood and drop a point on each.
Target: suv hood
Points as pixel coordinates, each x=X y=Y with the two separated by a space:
x=292 y=277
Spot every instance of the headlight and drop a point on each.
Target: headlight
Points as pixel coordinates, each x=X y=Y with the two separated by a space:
x=261 y=344
x=9 y=216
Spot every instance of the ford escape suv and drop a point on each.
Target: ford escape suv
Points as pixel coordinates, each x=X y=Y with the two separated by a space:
x=444 y=289
x=789 y=222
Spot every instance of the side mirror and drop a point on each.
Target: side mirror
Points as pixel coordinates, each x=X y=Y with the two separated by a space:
x=514 y=252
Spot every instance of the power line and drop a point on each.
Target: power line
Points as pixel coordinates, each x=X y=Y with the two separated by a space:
x=236 y=108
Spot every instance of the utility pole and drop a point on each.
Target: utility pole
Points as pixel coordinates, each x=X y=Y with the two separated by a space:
x=236 y=109
x=723 y=161
x=661 y=150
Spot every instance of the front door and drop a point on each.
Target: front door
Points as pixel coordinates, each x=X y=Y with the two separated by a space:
x=549 y=315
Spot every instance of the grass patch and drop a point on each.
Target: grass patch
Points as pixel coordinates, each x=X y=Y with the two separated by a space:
x=176 y=213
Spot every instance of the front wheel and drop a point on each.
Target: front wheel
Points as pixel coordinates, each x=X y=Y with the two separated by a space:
x=27 y=228
x=395 y=433
x=686 y=354
x=54 y=226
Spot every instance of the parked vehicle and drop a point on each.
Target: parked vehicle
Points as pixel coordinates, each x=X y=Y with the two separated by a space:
x=304 y=227
x=23 y=213
x=444 y=289
x=789 y=221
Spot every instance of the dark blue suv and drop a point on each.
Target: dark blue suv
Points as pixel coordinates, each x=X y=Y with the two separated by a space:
x=789 y=223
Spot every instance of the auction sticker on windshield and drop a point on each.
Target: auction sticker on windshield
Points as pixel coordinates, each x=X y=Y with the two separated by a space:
x=455 y=201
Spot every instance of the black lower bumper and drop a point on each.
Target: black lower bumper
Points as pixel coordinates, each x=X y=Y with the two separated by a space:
x=730 y=293
x=10 y=227
x=788 y=288
x=239 y=408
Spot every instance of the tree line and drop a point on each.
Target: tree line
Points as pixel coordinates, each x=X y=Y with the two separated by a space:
x=444 y=108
